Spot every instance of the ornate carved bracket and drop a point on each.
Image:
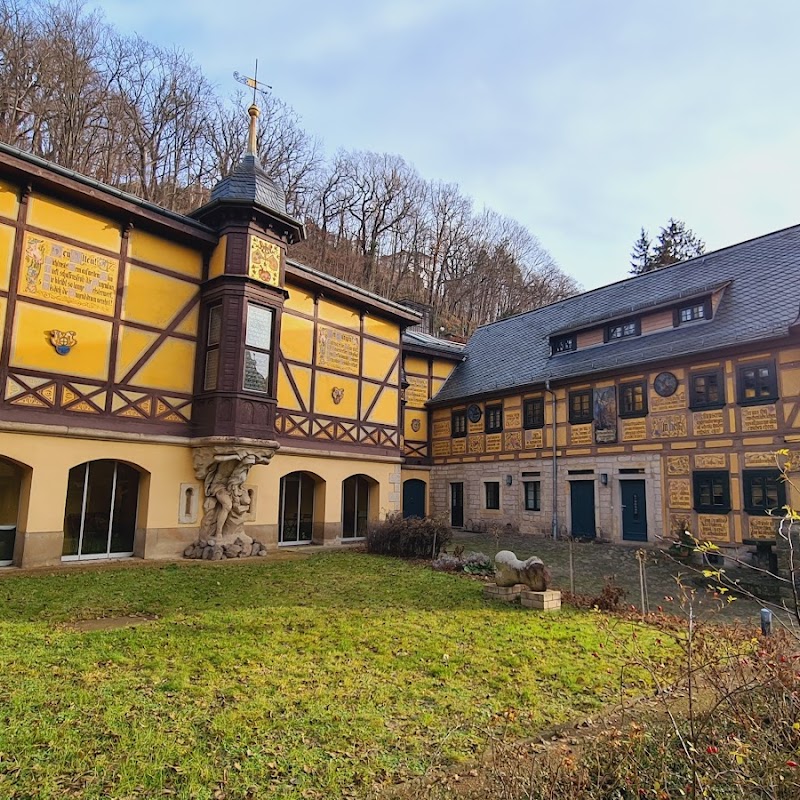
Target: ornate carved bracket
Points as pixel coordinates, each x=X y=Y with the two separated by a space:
x=223 y=469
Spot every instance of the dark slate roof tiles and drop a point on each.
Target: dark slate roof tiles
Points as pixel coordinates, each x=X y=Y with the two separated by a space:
x=248 y=182
x=760 y=302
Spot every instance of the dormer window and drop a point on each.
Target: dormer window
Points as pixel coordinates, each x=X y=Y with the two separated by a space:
x=563 y=344
x=693 y=312
x=622 y=330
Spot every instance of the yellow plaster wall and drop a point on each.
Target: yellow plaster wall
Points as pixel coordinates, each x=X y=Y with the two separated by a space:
x=170 y=368
x=442 y=368
x=153 y=298
x=299 y=300
x=297 y=338
x=133 y=342
x=323 y=395
x=416 y=366
x=51 y=458
x=382 y=329
x=385 y=409
x=144 y=246
x=9 y=200
x=31 y=348
x=6 y=252
x=377 y=360
x=71 y=222
x=216 y=265
x=341 y=315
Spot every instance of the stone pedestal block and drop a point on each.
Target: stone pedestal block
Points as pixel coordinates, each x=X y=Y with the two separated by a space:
x=541 y=601
x=508 y=594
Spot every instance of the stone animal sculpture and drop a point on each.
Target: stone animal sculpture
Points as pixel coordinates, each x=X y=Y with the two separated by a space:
x=509 y=571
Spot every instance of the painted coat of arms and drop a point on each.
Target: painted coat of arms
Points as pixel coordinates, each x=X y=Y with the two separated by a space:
x=265 y=261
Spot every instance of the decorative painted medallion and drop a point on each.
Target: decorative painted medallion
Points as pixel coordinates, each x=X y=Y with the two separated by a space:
x=337 y=394
x=665 y=384
x=474 y=413
x=415 y=425
x=265 y=261
x=63 y=341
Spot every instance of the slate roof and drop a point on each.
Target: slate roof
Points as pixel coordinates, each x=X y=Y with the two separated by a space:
x=249 y=183
x=759 y=302
x=424 y=341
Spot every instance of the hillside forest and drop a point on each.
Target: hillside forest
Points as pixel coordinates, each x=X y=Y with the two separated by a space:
x=145 y=119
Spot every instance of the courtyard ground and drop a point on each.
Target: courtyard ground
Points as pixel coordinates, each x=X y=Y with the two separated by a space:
x=595 y=562
x=330 y=676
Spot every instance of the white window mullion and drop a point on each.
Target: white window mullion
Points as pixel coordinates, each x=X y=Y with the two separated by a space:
x=111 y=511
x=83 y=509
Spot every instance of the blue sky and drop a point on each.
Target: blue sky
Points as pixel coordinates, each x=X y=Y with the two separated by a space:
x=583 y=120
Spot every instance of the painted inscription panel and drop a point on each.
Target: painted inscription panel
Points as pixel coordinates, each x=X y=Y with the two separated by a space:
x=459 y=446
x=677 y=465
x=265 y=261
x=580 y=434
x=669 y=426
x=711 y=461
x=337 y=349
x=513 y=440
x=634 y=430
x=534 y=439
x=68 y=275
x=759 y=460
x=512 y=418
x=417 y=391
x=764 y=527
x=475 y=444
x=680 y=493
x=713 y=527
x=441 y=428
x=441 y=448
x=494 y=442
x=672 y=403
x=759 y=418
x=708 y=423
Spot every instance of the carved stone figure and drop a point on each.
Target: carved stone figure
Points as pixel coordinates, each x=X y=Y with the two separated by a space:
x=509 y=571
x=223 y=470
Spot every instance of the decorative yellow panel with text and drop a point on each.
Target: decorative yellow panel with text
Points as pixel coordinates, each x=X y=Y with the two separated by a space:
x=337 y=349
x=154 y=299
x=68 y=275
x=74 y=223
x=31 y=345
x=144 y=246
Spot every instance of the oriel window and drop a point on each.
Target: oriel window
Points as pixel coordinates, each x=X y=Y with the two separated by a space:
x=213 y=337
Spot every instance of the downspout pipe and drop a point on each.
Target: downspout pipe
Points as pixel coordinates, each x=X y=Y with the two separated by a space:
x=555 y=462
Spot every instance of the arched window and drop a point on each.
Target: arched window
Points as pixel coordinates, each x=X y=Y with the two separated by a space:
x=100 y=518
x=296 y=516
x=10 y=485
x=355 y=506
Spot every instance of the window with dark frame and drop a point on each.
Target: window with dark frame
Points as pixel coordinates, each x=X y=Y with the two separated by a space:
x=533 y=495
x=563 y=344
x=707 y=390
x=712 y=491
x=580 y=407
x=622 y=330
x=633 y=399
x=693 y=312
x=458 y=424
x=492 y=495
x=213 y=337
x=493 y=417
x=764 y=491
x=258 y=349
x=758 y=383
x=533 y=413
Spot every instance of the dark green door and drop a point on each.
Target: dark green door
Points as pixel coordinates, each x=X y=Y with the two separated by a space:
x=634 y=511
x=413 y=498
x=582 y=505
x=457 y=505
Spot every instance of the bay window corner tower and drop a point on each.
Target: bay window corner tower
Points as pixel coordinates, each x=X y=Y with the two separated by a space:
x=241 y=301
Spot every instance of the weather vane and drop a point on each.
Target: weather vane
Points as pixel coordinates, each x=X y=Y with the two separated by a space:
x=253 y=82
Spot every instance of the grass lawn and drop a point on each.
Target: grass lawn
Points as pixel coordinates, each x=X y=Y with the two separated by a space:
x=316 y=678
